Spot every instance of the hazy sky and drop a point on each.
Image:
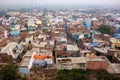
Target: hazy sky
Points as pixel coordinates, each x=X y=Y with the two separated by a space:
x=108 y=2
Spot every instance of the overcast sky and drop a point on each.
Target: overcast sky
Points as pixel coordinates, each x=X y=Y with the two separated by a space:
x=108 y=2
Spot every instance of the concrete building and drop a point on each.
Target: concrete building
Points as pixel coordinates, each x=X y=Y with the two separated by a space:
x=26 y=63
x=71 y=63
x=114 y=68
x=97 y=63
x=13 y=49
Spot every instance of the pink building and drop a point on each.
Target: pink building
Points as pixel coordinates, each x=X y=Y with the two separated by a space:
x=1 y=34
x=5 y=34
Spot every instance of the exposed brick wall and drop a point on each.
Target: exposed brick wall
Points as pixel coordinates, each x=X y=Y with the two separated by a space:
x=97 y=65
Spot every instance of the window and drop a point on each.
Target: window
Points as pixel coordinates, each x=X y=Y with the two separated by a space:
x=81 y=65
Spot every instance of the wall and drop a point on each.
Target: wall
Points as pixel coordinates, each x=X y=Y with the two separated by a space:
x=24 y=70
x=30 y=63
x=71 y=66
x=65 y=66
x=98 y=36
x=3 y=43
x=96 y=65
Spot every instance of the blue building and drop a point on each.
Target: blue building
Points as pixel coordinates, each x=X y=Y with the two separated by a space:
x=95 y=44
x=88 y=24
x=14 y=33
x=117 y=35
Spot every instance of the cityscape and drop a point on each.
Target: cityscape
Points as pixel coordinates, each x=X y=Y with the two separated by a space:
x=59 y=40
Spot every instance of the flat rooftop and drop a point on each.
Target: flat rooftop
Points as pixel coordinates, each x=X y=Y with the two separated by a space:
x=59 y=47
x=102 y=50
x=95 y=59
x=28 y=54
x=25 y=62
x=116 y=68
x=10 y=46
x=114 y=40
x=45 y=52
x=72 y=47
x=98 y=40
x=118 y=58
x=63 y=39
x=72 y=60
x=24 y=43
x=42 y=44
x=43 y=36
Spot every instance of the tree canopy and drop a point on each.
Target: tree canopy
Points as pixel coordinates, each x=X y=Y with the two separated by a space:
x=79 y=74
x=9 y=72
x=104 y=75
x=74 y=74
x=104 y=29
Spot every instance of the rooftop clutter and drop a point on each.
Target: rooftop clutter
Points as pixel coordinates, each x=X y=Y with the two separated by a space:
x=60 y=40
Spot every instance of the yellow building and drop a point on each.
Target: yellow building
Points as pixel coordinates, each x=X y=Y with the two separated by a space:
x=115 y=42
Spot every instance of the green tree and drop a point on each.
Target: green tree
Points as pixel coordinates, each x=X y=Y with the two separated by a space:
x=104 y=75
x=74 y=74
x=104 y=29
x=9 y=72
